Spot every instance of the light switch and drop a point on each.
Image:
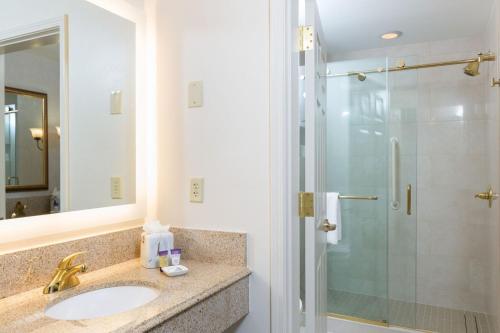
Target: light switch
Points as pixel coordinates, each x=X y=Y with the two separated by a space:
x=195 y=94
x=116 y=102
x=196 y=191
x=116 y=188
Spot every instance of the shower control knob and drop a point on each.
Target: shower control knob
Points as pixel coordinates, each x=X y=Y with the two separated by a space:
x=327 y=226
x=489 y=195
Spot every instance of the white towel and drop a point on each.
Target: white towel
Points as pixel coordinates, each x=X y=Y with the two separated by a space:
x=333 y=214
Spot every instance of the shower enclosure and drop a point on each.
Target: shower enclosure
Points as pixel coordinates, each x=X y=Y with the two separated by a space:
x=421 y=143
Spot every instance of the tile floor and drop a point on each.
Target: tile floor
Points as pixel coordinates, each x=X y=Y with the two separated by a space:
x=419 y=316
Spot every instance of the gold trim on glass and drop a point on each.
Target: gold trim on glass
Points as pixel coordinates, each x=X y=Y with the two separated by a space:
x=45 y=181
x=382 y=323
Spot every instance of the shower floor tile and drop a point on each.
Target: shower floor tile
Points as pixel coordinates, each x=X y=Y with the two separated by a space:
x=397 y=313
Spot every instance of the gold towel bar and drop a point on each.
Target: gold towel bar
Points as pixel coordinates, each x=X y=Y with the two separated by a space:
x=357 y=197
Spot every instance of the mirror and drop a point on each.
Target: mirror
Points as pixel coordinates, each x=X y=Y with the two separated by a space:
x=26 y=142
x=67 y=69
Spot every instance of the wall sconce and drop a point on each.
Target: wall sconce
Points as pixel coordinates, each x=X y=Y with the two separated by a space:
x=37 y=134
x=58 y=129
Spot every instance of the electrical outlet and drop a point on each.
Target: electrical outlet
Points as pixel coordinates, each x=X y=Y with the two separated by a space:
x=196 y=191
x=195 y=94
x=116 y=188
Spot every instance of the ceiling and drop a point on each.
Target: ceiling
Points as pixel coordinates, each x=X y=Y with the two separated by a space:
x=357 y=24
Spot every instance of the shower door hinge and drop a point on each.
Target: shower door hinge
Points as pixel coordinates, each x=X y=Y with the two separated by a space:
x=306 y=38
x=306 y=204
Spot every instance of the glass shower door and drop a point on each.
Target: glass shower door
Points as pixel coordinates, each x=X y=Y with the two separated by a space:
x=402 y=222
x=365 y=148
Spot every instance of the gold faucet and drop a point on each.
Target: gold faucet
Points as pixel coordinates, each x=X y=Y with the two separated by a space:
x=65 y=275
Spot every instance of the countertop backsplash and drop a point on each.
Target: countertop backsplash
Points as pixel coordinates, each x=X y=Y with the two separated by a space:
x=32 y=268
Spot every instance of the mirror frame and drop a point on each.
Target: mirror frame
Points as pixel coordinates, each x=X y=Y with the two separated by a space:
x=45 y=182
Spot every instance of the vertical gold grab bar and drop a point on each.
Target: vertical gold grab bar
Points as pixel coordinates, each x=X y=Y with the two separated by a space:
x=408 y=199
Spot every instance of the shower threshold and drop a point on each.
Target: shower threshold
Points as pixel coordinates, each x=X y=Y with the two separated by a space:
x=422 y=317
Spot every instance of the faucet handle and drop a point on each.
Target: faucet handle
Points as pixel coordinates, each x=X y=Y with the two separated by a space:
x=67 y=262
x=490 y=196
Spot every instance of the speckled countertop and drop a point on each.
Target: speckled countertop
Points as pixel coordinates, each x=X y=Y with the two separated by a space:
x=24 y=312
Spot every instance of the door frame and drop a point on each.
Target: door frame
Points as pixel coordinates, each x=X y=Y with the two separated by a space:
x=284 y=165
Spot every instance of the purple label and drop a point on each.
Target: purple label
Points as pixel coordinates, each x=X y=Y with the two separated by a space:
x=163 y=253
x=175 y=251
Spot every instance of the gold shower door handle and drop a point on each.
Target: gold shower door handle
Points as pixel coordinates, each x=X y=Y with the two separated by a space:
x=408 y=199
x=327 y=226
x=490 y=196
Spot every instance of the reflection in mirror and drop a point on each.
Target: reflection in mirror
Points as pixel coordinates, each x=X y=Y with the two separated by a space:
x=26 y=144
x=31 y=145
x=67 y=70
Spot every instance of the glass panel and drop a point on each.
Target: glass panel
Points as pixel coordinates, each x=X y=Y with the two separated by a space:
x=372 y=140
x=402 y=223
x=357 y=161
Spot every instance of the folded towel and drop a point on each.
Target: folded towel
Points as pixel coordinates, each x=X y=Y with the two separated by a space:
x=333 y=214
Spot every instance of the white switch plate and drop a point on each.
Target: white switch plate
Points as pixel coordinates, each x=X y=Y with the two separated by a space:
x=196 y=190
x=116 y=188
x=116 y=102
x=195 y=94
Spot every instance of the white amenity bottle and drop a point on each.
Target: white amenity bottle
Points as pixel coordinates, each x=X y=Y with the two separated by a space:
x=155 y=238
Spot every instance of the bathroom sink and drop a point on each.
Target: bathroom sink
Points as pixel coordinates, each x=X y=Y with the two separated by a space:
x=102 y=302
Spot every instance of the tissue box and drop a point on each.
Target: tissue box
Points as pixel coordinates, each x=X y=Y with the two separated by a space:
x=152 y=244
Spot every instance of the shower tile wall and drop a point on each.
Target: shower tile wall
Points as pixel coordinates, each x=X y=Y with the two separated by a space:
x=453 y=266
x=493 y=146
x=453 y=123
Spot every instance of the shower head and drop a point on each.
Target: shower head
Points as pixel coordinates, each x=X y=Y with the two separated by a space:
x=472 y=69
x=361 y=76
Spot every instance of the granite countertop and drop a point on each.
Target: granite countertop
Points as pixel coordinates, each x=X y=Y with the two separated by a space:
x=24 y=312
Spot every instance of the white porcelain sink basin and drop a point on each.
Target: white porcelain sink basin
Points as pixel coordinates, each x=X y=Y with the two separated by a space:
x=102 y=302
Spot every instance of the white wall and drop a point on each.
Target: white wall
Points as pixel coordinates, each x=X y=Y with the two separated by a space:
x=225 y=44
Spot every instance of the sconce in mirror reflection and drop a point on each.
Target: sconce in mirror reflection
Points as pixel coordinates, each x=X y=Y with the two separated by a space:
x=37 y=134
